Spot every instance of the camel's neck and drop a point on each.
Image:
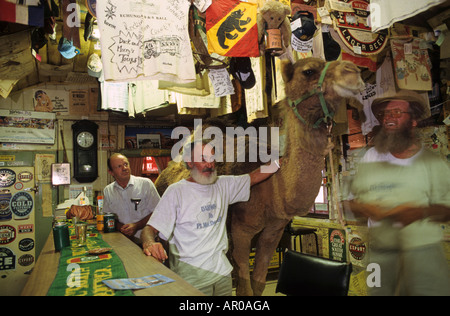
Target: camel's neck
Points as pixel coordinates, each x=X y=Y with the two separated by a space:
x=301 y=174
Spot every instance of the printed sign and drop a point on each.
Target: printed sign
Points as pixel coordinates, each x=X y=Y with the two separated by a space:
x=27 y=127
x=25 y=260
x=7 y=178
x=354 y=30
x=337 y=244
x=7 y=259
x=26 y=244
x=7 y=234
x=22 y=204
x=357 y=248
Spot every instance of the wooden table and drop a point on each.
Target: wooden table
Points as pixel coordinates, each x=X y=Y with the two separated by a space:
x=136 y=264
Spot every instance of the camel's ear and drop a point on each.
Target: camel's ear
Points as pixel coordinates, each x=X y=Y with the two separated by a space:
x=287 y=70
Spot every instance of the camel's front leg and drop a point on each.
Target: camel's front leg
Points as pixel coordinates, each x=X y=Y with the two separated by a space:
x=241 y=254
x=265 y=248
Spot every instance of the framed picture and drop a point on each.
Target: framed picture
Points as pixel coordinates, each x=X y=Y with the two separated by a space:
x=148 y=140
x=60 y=173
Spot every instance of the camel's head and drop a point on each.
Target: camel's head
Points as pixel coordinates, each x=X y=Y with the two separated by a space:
x=308 y=78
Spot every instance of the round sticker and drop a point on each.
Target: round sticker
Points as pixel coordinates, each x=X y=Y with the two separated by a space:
x=26 y=244
x=7 y=177
x=357 y=248
x=25 y=176
x=7 y=234
x=21 y=204
x=25 y=260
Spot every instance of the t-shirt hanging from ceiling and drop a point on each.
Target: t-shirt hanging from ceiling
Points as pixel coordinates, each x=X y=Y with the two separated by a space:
x=146 y=40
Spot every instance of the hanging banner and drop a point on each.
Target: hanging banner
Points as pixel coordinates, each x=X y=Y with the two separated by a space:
x=231 y=28
x=354 y=30
x=27 y=127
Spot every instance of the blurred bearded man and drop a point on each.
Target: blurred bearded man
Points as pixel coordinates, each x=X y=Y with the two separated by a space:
x=191 y=217
x=403 y=190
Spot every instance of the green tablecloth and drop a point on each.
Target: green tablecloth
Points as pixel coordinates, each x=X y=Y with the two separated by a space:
x=81 y=274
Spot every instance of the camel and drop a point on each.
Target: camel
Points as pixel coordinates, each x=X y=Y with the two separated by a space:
x=292 y=190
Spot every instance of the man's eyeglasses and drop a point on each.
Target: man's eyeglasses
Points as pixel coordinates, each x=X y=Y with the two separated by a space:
x=391 y=113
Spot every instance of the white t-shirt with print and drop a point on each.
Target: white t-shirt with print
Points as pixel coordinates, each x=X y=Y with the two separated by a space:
x=388 y=182
x=143 y=40
x=192 y=217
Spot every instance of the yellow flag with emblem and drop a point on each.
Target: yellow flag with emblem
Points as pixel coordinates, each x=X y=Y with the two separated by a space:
x=231 y=28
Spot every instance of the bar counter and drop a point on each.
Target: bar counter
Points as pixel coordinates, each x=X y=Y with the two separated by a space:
x=135 y=262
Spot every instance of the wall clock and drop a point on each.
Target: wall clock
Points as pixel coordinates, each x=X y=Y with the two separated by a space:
x=85 y=164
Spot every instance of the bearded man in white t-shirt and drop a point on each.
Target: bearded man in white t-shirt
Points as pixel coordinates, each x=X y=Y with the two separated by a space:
x=191 y=217
x=403 y=189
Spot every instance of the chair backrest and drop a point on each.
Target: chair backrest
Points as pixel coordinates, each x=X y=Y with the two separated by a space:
x=302 y=274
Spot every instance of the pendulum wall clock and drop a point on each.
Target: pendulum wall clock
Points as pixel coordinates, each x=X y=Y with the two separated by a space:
x=85 y=164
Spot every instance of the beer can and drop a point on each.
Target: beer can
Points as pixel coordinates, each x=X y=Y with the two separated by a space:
x=100 y=222
x=61 y=237
x=110 y=223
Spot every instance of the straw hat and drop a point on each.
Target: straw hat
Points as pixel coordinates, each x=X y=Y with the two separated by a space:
x=417 y=103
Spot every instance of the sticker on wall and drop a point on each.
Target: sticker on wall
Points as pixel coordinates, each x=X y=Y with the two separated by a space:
x=5 y=210
x=7 y=178
x=26 y=244
x=25 y=176
x=26 y=260
x=27 y=228
x=354 y=30
x=337 y=244
x=7 y=259
x=7 y=234
x=357 y=248
x=21 y=205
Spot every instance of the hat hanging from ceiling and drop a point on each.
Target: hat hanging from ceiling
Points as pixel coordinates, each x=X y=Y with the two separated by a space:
x=416 y=102
x=241 y=69
x=38 y=39
x=94 y=65
x=331 y=48
x=306 y=28
x=67 y=49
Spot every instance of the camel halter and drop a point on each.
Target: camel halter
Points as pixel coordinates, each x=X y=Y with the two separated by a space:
x=328 y=120
x=317 y=90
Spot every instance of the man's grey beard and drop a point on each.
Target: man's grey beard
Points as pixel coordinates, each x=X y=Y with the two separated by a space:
x=202 y=179
x=395 y=142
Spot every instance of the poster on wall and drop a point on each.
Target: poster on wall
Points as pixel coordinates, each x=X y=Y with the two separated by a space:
x=48 y=100
x=337 y=244
x=27 y=127
x=42 y=165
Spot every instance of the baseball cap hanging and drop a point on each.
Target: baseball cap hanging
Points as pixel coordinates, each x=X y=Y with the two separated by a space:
x=307 y=26
x=67 y=49
x=241 y=69
x=94 y=65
